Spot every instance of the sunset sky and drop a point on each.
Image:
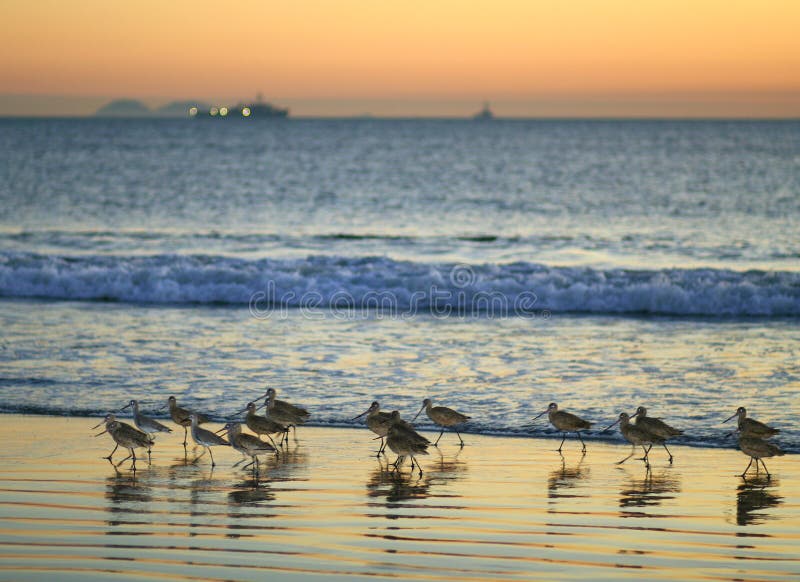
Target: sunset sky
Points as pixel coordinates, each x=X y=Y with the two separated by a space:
x=431 y=57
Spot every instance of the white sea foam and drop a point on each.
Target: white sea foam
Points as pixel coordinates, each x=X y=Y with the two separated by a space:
x=403 y=286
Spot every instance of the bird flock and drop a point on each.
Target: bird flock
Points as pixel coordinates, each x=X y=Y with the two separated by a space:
x=400 y=436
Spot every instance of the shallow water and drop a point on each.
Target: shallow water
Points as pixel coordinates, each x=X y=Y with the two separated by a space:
x=503 y=509
x=89 y=358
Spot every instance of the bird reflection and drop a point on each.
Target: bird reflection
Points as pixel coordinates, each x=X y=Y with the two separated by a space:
x=562 y=482
x=753 y=496
x=444 y=469
x=397 y=485
x=287 y=467
x=251 y=491
x=124 y=491
x=650 y=491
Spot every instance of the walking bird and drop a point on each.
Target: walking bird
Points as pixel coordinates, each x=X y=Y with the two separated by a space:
x=124 y=436
x=182 y=416
x=205 y=438
x=444 y=417
x=565 y=422
x=758 y=449
x=635 y=435
x=656 y=427
x=750 y=426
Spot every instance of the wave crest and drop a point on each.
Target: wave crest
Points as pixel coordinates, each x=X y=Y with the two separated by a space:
x=402 y=285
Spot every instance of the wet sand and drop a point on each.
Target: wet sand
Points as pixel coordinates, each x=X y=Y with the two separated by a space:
x=501 y=508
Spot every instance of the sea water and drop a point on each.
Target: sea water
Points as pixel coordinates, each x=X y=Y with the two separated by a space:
x=493 y=267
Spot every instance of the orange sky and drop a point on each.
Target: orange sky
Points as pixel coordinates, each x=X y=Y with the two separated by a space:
x=581 y=57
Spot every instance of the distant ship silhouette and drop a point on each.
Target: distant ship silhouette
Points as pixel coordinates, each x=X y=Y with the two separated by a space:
x=484 y=114
x=262 y=110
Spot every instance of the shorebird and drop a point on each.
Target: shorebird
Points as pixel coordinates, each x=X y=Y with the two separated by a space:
x=247 y=444
x=284 y=408
x=656 y=427
x=205 y=438
x=182 y=416
x=635 y=435
x=124 y=436
x=378 y=422
x=758 y=449
x=145 y=423
x=751 y=427
x=283 y=412
x=565 y=422
x=444 y=417
x=405 y=442
x=263 y=425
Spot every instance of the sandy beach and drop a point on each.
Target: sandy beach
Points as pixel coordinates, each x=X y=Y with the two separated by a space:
x=500 y=508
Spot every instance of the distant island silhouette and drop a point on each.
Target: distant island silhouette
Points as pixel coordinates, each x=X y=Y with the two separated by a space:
x=124 y=108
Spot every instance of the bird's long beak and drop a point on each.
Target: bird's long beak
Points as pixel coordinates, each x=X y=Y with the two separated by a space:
x=126 y=407
x=632 y=416
x=418 y=413
x=735 y=414
x=224 y=428
x=360 y=415
x=262 y=406
x=101 y=433
x=243 y=410
x=98 y=425
x=541 y=414
x=616 y=422
x=163 y=407
x=730 y=434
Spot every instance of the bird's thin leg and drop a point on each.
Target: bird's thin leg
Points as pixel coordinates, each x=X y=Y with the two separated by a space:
x=563 y=438
x=274 y=446
x=112 y=452
x=757 y=467
x=765 y=467
x=419 y=467
x=633 y=451
x=247 y=465
x=666 y=449
x=459 y=438
x=125 y=459
x=185 y=437
x=440 y=436
x=583 y=444
x=748 y=467
x=646 y=452
x=197 y=458
x=213 y=464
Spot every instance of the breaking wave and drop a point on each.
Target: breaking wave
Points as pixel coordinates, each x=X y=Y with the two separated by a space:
x=333 y=281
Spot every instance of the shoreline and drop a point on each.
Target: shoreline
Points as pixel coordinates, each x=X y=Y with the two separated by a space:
x=500 y=508
x=613 y=437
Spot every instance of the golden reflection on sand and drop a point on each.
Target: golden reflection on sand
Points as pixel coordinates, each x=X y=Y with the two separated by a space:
x=500 y=508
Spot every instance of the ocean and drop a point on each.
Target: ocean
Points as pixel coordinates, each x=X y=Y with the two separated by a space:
x=491 y=266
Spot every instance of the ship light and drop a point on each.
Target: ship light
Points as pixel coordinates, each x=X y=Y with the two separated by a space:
x=213 y=111
x=245 y=112
x=223 y=111
x=192 y=111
